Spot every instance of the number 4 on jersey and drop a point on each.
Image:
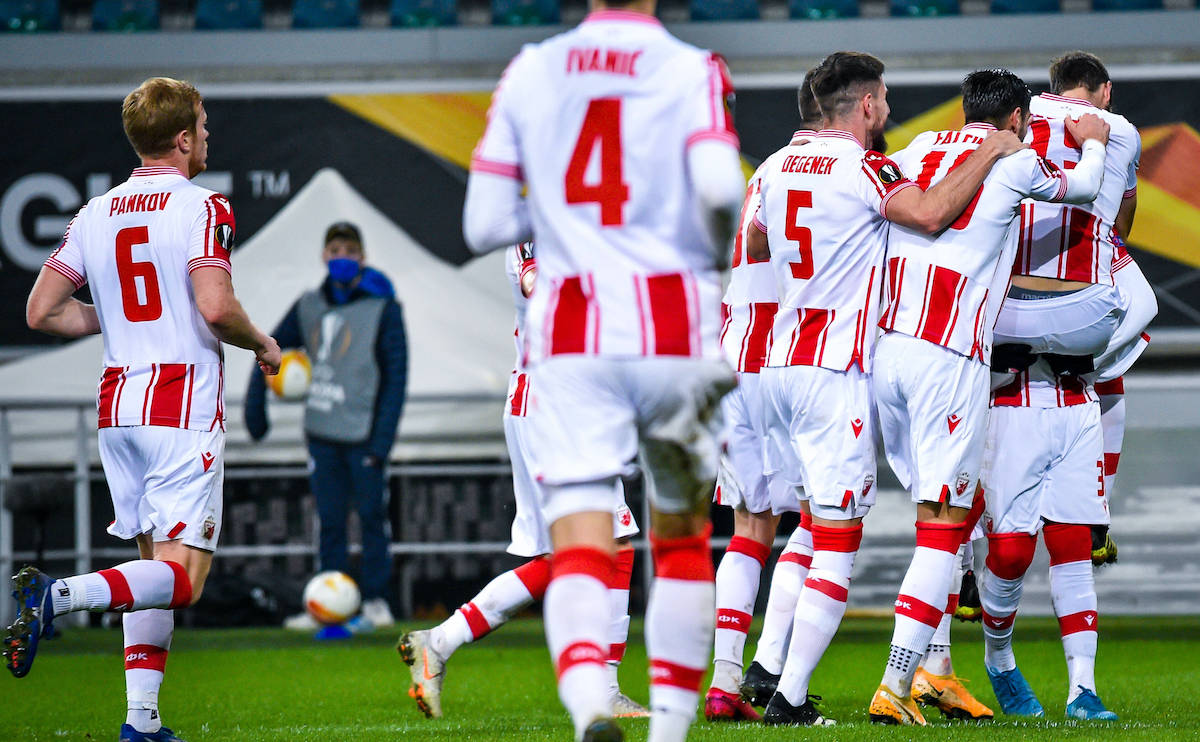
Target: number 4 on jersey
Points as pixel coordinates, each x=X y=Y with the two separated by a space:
x=602 y=128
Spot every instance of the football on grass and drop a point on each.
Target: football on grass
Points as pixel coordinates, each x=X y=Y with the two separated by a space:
x=331 y=597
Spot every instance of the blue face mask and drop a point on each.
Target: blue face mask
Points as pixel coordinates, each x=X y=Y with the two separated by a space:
x=343 y=270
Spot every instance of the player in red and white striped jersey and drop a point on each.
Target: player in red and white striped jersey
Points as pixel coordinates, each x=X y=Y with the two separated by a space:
x=426 y=652
x=622 y=135
x=742 y=483
x=155 y=253
x=823 y=224
x=1044 y=471
x=932 y=374
x=1069 y=254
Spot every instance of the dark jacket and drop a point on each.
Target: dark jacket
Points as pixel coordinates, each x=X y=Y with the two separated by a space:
x=391 y=353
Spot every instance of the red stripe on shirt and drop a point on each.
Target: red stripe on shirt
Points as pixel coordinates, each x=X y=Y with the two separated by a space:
x=758 y=336
x=941 y=304
x=516 y=406
x=808 y=339
x=669 y=312
x=105 y=407
x=568 y=311
x=166 y=407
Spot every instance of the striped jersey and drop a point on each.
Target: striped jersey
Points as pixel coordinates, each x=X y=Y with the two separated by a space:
x=824 y=211
x=135 y=247
x=947 y=288
x=1069 y=242
x=751 y=298
x=597 y=123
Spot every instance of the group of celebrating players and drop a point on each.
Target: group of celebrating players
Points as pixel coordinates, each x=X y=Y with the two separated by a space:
x=966 y=304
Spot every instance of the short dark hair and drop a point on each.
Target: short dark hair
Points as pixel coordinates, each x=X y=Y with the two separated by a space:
x=842 y=79
x=810 y=111
x=991 y=95
x=343 y=230
x=1077 y=69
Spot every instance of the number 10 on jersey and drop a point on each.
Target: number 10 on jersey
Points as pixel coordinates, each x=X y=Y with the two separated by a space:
x=601 y=128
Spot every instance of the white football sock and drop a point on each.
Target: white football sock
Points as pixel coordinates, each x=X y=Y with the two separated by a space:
x=147 y=643
x=787 y=579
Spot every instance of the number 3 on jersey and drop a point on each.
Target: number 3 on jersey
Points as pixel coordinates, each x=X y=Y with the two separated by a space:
x=130 y=270
x=802 y=236
x=601 y=128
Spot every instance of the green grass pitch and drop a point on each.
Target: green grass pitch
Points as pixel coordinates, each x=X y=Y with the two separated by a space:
x=268 y=684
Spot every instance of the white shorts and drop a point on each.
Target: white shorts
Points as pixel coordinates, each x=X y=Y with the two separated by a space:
x=742 y=481
x=1076 y=324
x=1044 y=464
x=166 y=482
x=589 y=418
x=933 y=413
x=821 y=434
x=530 y=529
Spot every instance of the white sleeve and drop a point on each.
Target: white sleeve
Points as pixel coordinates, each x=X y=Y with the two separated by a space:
x=1084 y=180
x=1131 y=176
x=494 y=215
x=499 y=149
x=715 y=170
x=212 y=233
x=67 y=259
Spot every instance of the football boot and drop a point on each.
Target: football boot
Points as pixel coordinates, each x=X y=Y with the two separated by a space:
x=758 y=685
x=624 y=707
x=781 y=713
x=969 y=608
x=948 y=694
x=129 y=734
x=1104 y=549
x=722 y=706
x=1014 y=694
x=1087 y=706
x=889 y=708
x=35 y=616
x=428 y=671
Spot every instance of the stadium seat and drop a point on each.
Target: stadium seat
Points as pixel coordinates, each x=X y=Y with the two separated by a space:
x=819 y=9
x=1026 y=6
x=524 y=12
x=125 y=15
x=424 y=13
x=724 y=10
x=30 y=15
x=325 y=14
x=1127 y=4
x=922 y=8
x=227 y=14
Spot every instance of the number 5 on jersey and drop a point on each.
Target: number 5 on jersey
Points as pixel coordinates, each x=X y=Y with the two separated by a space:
x=802 y=236
x=601 y=128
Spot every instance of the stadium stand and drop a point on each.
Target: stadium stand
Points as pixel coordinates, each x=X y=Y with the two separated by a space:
x=1025 y=6
x=821 y=9
x=409 y=13
x=325 y=14
x=125 y=15
x=525 y=12
x=30 y=15
x=1105 y=5
x=228 y=14
x=924 y=8
x=724 y=10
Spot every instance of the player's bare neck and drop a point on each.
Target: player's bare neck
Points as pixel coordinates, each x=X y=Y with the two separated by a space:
x=1095 y=97
x=175 y=159
x=856 y=126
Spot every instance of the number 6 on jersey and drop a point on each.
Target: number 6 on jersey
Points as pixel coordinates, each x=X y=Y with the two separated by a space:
x=601 y=127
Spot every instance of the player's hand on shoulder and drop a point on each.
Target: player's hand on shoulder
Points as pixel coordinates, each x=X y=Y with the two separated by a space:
x=1088 y=126
x=269 y=356
x=1002 y=144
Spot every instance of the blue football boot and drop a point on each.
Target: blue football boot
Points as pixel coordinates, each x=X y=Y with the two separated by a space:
x=1087 y=706
x=129 y=734
x=35 y=614
x=1014 y=694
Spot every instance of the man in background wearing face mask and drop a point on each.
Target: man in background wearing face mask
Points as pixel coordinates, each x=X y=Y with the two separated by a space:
x=353 y=331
